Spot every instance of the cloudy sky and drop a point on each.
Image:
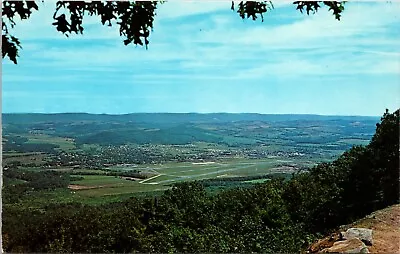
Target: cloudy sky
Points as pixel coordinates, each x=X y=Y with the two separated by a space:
x=204 y=58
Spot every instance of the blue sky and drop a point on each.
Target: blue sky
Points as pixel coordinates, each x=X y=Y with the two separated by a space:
x=204 y=58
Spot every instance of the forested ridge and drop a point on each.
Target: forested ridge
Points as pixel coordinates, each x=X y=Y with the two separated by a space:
x=280 y=215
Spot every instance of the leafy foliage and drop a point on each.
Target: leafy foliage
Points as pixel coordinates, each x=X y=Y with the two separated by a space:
x=312 y=6
x=18 y=144
x=252 y=8
x=134 y=18
x=10 y=10
x=28 y=181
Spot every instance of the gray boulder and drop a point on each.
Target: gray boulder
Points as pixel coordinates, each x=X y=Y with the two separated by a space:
x=364 y=234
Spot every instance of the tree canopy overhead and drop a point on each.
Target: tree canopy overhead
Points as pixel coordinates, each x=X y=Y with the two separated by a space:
x=134 y=18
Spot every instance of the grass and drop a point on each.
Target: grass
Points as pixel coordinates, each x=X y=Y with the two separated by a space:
x=12 y=154
x=110 y=185
x=101 y=185
x=83 y=171
x=104 y=189
x=88 y=147
x=122 y=168
x=229 y=168
x=115 y=188
x=99 y=180
x=64 y=143
x=62 y=196
x=25 y=158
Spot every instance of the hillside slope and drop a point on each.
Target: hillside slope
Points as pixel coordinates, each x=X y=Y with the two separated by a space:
x=385 y=225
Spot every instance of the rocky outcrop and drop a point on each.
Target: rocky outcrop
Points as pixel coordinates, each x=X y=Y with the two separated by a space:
x=378 y=232
x=353 y=245
x=353 y=240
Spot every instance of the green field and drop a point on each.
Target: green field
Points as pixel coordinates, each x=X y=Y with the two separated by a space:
x=169 y=173
x=64 y=144
x=97 y=180
x=24 y=158
x=99 y=185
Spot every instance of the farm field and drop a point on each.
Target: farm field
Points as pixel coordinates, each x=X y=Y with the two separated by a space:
x=170 y=173
x=62 y=143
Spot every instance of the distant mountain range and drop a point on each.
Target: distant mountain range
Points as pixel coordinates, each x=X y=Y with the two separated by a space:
x=173 y=117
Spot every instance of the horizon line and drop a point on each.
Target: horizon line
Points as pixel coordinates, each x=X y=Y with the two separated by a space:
x=198 y=113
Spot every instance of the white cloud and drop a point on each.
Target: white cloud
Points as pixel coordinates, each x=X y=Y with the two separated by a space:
x=314 y=45
x=315 y=29
x=291 y=66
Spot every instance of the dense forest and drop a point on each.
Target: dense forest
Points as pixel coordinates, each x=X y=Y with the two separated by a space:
x=280 y=215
